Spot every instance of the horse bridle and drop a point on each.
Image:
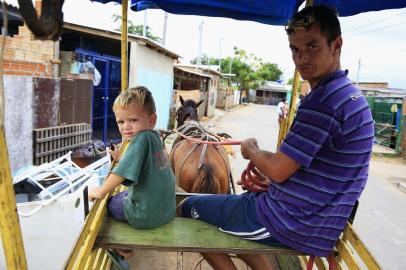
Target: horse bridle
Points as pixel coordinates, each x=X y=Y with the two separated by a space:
x=183 y=112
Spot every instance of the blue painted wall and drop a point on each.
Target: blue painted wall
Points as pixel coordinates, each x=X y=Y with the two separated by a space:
x=160 y=84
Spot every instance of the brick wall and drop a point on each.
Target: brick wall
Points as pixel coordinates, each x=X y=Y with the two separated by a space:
x=26 y=56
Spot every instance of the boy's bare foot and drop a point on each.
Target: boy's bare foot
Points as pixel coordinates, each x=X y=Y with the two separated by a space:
x=126 y=253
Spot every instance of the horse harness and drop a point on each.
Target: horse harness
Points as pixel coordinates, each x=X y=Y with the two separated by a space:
x=184 y=112
x=194 y=130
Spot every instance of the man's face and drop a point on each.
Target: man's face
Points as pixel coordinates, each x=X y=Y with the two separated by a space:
x=313 y=56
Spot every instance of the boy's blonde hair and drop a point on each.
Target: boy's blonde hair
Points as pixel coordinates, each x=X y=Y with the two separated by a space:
x=139 y=95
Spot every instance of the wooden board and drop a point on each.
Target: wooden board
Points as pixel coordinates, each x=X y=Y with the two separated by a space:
x=182 y=234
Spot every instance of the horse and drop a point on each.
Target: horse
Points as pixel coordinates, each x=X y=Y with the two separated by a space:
x=198 y=167
x=46 y=26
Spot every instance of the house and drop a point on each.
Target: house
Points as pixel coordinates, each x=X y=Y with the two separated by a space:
x=150 y=65
x=271 y=93
x=190 y=85
x=226 y=97
x=42 y=92
x=210 y=97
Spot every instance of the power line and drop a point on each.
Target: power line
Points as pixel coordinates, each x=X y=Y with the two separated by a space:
x=376 y=29
x=376 y=22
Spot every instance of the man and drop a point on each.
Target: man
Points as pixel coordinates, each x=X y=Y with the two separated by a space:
x=282 y=110
x=321 y=168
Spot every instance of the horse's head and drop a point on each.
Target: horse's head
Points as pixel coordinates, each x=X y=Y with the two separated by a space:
x=187 y=111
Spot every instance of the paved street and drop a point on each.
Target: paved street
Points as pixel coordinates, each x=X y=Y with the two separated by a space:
x=381 y=218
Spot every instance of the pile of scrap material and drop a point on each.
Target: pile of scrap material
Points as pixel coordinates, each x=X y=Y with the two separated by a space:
x=89 y=153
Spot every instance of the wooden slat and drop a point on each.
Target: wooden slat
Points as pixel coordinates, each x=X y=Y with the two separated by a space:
x=108 y=264
x=321 y=263
x=97 y=259
x=85 y=242
x=346 y=255
x=93 y=222
x=340 y=264
x=104 y=260
x=360 y=248
x=60 y=150
x=10 y=231
x=182 y=234
x=54 y=137
x=50 y=143
x=90 y=260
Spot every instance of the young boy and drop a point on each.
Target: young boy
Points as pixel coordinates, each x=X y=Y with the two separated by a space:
x=150 y=199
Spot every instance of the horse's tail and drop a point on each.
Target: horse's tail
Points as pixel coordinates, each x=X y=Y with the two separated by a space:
x=205 y=182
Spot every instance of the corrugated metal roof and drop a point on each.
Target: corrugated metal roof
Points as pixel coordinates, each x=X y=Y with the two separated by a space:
x=117 y=36
x=191 y=72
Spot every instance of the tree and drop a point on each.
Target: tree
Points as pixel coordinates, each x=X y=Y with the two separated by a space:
x=269 y=72
x=205 y=60
x=136 y=29
x=249 y=71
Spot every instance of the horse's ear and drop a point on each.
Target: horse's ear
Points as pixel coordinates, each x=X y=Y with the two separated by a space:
x=181 y=100
x=199 y=103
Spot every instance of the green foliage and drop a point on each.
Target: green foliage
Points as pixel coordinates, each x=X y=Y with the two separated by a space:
x=136 y=29
x=290 y=82
x=269 y=72
x=250 y=71
x=205 y=60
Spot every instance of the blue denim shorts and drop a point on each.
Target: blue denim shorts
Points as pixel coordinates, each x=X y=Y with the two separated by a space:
x=115 y=205
x=232 y=214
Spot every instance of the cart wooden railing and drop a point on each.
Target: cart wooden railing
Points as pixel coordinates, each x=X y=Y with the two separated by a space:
x=189 y=235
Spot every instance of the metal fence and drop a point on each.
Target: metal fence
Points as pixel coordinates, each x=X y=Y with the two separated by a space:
x=387 y=114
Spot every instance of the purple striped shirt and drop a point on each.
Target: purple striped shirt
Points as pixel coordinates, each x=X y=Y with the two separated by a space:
x=331 y=138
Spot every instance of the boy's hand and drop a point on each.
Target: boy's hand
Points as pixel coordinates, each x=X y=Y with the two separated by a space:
x=114 y=152
x=95 y=193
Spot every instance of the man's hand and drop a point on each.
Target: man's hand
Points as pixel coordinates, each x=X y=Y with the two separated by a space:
x=249 y=146
x=95 y=193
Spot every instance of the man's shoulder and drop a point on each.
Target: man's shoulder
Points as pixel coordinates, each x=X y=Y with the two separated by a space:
x=338 y=91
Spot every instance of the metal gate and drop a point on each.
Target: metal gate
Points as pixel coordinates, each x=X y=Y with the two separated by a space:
x=103 y=121
x=387 y=114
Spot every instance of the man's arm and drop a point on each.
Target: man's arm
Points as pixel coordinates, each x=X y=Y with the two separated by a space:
x=112 y=181
x=277 y=166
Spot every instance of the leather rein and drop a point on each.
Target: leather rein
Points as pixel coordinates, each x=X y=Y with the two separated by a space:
x=252 y=179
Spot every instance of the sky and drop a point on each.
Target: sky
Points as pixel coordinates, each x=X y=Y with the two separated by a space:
x=376 y=40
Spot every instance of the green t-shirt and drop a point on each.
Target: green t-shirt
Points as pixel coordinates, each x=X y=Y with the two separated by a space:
x=146 y=170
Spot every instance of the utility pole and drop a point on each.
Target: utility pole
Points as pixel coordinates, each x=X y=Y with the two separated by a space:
x=359 y=68
x=221 y=43
x=164 y=31
x=229 y=69
x=200 y=44
x=144 y=28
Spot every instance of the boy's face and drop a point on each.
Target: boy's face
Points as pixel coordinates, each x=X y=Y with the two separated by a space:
x=133 y=119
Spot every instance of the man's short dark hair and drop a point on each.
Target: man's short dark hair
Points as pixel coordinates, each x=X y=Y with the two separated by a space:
x=324 y=16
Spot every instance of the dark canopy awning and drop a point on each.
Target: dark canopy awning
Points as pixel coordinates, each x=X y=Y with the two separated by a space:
x=276 y=12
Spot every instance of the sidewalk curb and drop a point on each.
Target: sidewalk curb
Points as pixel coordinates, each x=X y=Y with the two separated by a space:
x=401 y=186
